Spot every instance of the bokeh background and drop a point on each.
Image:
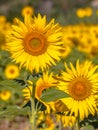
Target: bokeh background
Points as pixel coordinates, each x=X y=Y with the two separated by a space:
x=64 y=11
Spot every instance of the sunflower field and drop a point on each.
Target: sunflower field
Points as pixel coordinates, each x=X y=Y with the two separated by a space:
x=49 y=65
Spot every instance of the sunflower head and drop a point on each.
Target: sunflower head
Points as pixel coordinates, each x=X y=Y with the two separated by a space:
x=27 y=10
x=81 y=13
x=44 y=82
x=34 y=43
x=11 y=71
x=5 y=95
x=81 y=84
x=88 y=11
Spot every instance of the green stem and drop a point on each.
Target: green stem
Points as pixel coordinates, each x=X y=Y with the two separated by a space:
x=60 y=125
x=33 y=111
x=77 y=123
x=32 y=117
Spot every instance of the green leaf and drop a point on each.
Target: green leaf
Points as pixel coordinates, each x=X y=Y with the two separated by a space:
x=10 y=84
x=14 y=111
x=52 y=94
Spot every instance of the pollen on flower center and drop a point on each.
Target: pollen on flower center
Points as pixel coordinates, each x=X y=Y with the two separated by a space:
x=80 y=89
x=35 y=44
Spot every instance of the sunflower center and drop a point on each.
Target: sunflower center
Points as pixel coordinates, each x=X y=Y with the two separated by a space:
x=12 y=71
x=35 y=44
x=80 y=89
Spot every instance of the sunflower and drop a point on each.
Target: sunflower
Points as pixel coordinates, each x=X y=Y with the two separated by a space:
x=88 y=11
x=4 y=27
x=44 y=82
x=81 y=83
x=27 y=10
x=35 y=44
x=80 y=12
x=11 y=71
x=5 y=95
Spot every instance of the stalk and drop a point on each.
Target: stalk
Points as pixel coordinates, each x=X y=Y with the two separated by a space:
x=77 y=122
x=33 y=110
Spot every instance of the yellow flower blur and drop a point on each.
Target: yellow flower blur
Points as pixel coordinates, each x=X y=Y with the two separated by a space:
x=88 y=11
x=80 y=13
x=82 y=37
x=81 y=84
x=67 y=121
x=11 y=71
x=46 y=121
x=84 y=12
x=35 y=44
x=5 y=95
x=4 y=27
x=27 y=10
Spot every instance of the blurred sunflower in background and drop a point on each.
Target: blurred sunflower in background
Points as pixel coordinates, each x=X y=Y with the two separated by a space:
x=80 y=13
x=46 y=122
x=35 y=44
x=84 y=12
x=81 y=83
x=27 y=10
x=11 y=71
x=5 y=95
x=88 y=11
x=5 y=26
x=82 y=37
